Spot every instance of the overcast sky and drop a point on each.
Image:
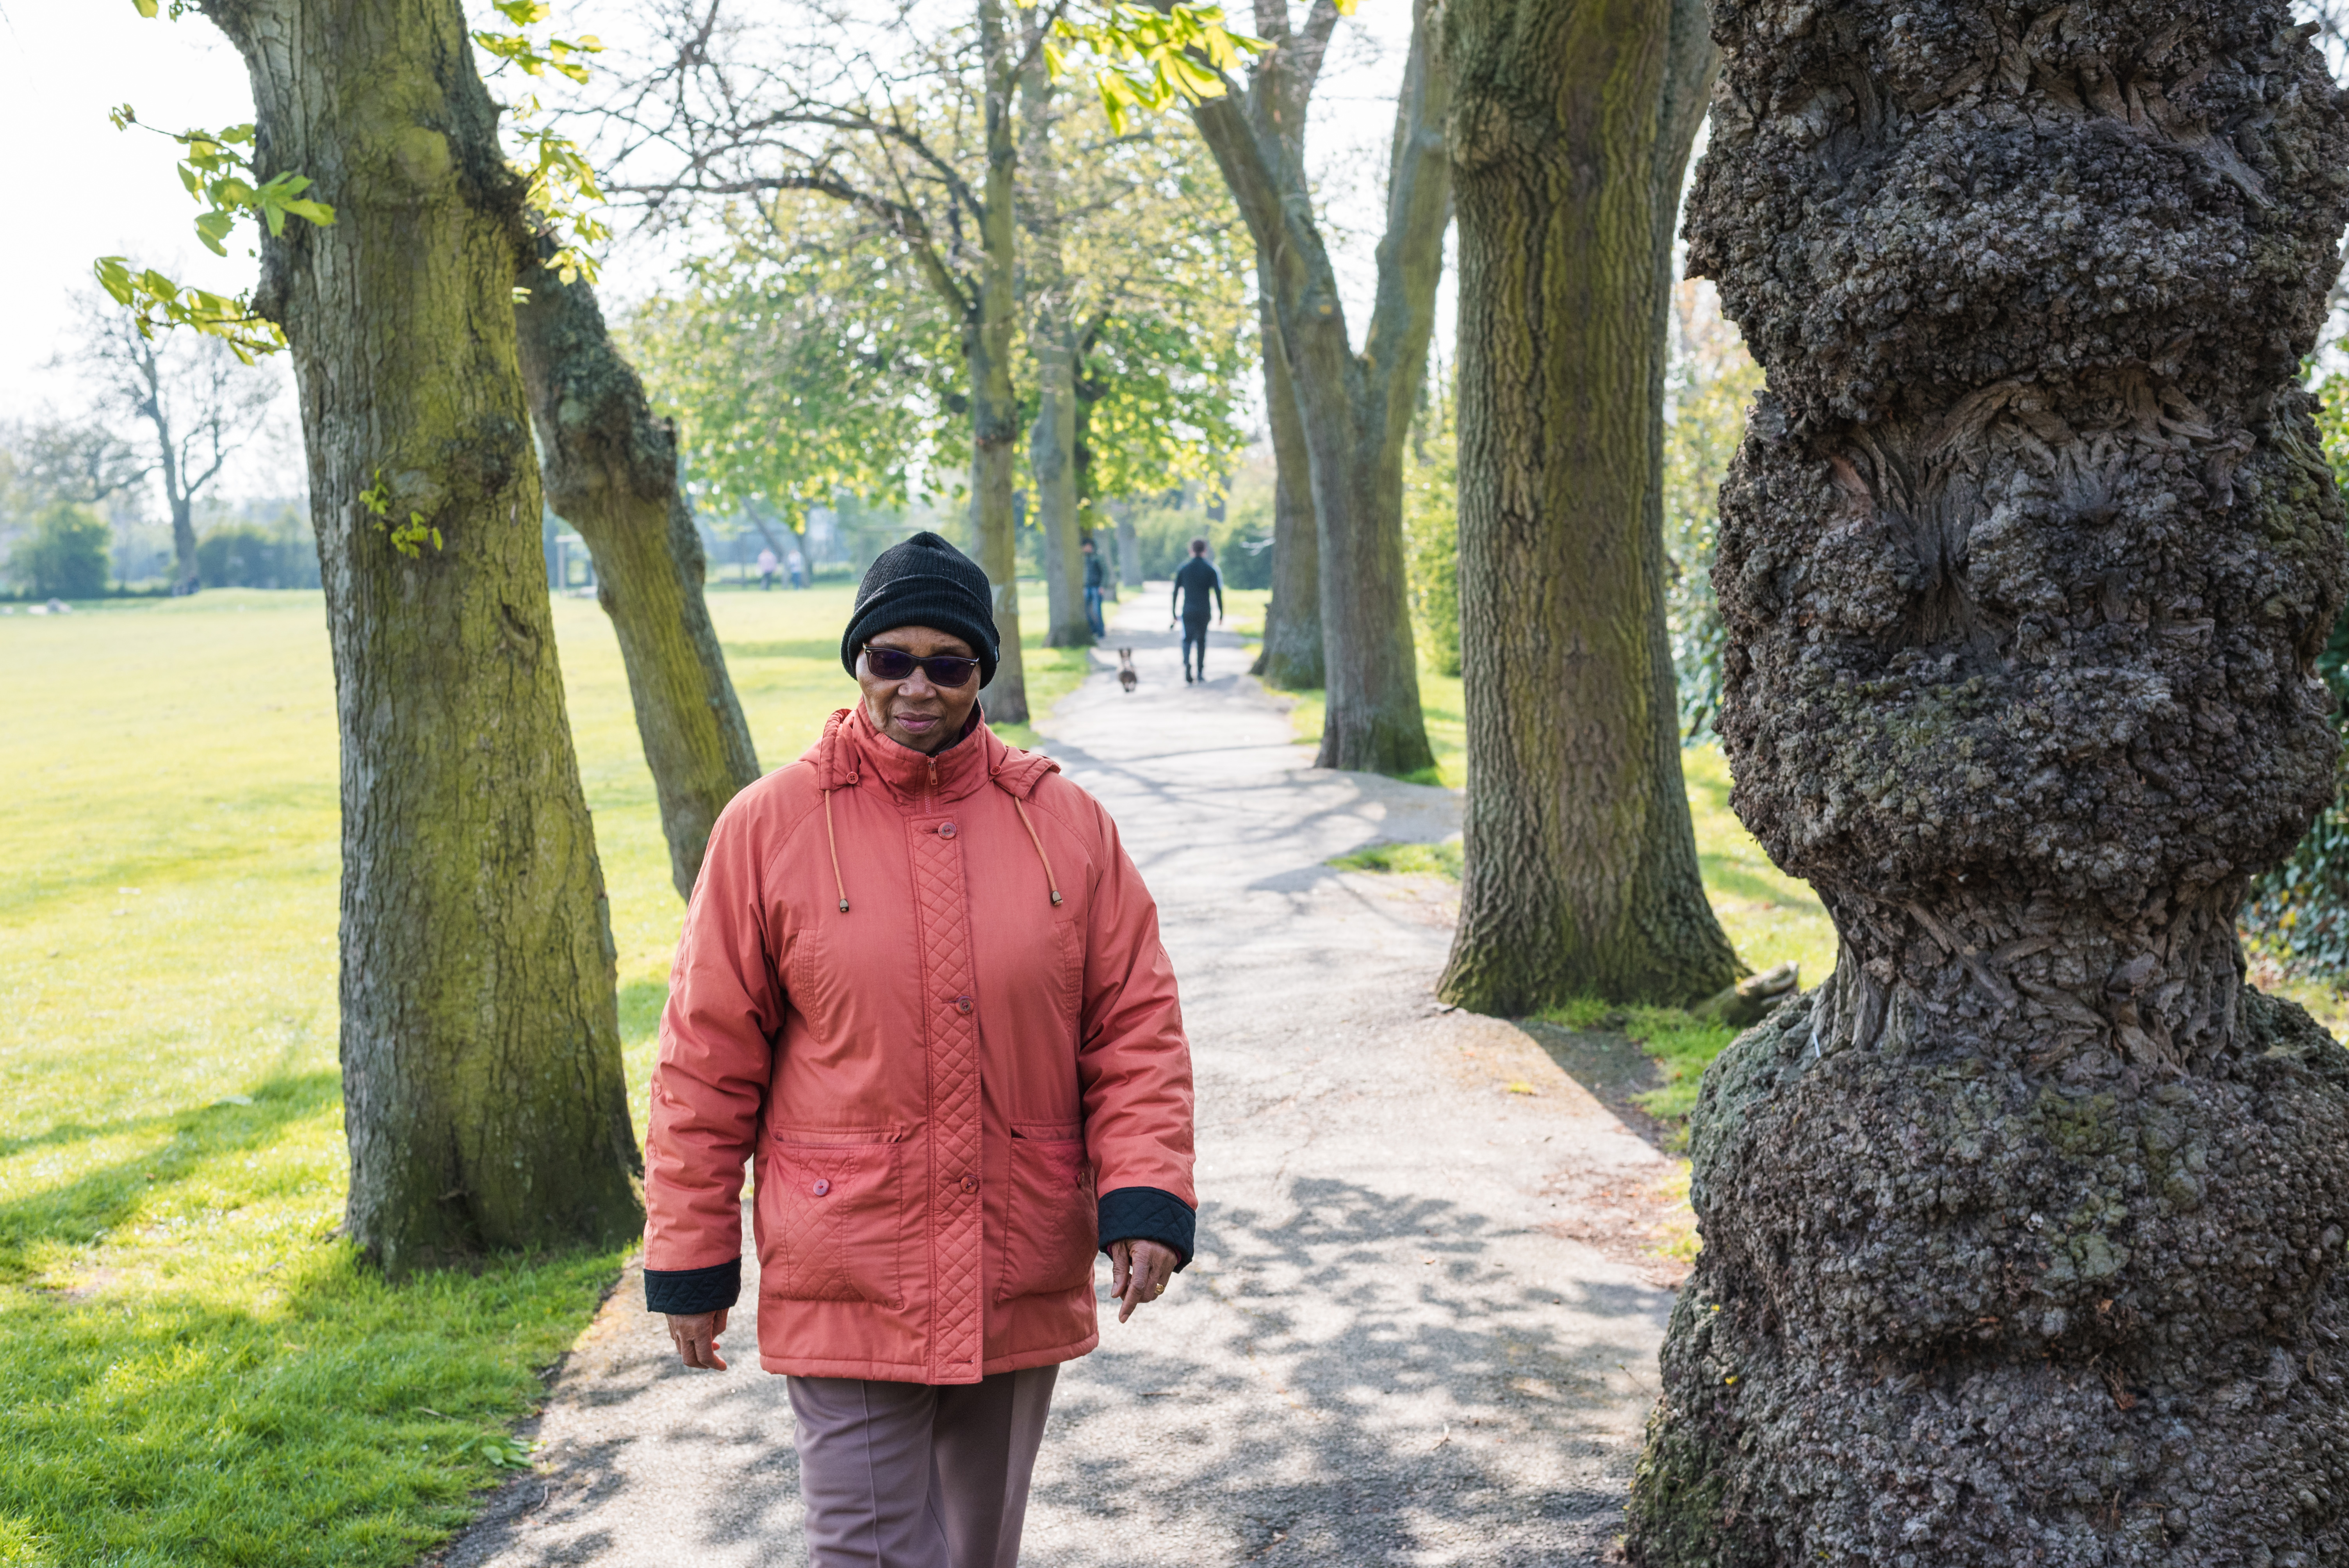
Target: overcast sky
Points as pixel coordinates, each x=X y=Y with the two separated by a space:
x=81 y=188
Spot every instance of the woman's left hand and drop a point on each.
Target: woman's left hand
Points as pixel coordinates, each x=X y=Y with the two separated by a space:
x=1138 y=1273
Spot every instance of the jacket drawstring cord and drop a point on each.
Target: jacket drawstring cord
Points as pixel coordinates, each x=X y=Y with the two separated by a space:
x=1049 y=879
x=832 y=842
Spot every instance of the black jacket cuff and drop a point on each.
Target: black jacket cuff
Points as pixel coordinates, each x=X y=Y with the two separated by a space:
x=1147 y=1214
x=689 y=1291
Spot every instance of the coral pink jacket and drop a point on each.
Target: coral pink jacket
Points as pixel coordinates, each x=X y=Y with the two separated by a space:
x=926 y=998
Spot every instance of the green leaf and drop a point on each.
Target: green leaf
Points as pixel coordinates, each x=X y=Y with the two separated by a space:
x=213 y=228
x=146 y=8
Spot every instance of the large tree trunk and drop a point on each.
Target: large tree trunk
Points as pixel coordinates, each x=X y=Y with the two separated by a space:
x=1280 y=94
x=1052 y=344
x=987 y=352
x=611 y=472
x=484 y=1099
x=1356 y=409
x=1582 y=875
x=1291 y=655
x=2022 y=1234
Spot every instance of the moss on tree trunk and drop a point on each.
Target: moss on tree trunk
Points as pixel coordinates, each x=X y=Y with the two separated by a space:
x=2022 y=1234
x=1571 y=128
x=481 y=1078
x=612 y=472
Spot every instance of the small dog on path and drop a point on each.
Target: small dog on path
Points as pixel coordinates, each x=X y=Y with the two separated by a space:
x=1125 y=675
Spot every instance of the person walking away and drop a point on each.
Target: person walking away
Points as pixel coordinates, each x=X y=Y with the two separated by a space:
x=795 y=567
x=921 y=988
x=1094 y=580
x=1193 y=582
x=767 y=564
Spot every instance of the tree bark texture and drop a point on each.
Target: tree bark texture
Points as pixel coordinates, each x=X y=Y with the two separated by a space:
x=1581 y=875
x=1291 y=655
x=611 y=472
x=481 y=1078
x=1356 y=409
x=987 y=336
x=1052 y=331
x=2022 y=1234
x=1280 y=94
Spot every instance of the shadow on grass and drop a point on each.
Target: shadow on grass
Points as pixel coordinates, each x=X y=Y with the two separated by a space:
x=75 y=1211
x=345 y=1422
x=1617 y=1071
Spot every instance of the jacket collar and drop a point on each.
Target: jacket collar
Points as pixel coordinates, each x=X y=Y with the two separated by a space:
x=852 y=752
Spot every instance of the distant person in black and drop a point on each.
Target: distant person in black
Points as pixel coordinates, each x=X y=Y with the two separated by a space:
x=1195 y=581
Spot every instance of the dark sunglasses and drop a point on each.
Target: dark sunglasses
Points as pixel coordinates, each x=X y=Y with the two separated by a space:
x=897 y=664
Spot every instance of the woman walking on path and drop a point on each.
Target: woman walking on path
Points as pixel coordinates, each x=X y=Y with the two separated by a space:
x=920 y=985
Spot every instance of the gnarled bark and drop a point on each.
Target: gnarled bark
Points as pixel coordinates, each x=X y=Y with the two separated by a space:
x=611 y=472
x=1571 y=126
x=484 y=1098
x=2022 y=1232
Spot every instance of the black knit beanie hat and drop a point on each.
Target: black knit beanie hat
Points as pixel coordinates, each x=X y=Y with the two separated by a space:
x=925 y=581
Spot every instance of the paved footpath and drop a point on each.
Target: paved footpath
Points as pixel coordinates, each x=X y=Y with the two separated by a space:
x=1421 y=1328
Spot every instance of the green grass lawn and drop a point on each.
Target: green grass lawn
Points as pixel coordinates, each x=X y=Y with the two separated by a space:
x=194 y=1370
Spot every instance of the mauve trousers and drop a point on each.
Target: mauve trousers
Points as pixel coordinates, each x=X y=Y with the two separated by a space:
x=908 y=1475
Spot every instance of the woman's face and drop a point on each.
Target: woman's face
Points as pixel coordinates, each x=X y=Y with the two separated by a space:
x=916 y=711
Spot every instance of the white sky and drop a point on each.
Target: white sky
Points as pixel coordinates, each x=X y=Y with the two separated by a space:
x=80 y=189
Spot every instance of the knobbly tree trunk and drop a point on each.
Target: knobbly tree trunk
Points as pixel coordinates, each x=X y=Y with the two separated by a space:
x=1356 y=409
x=987 y=352
x=484 y=1098
x=2022 y=1234
x=611 y=472
x=1052 y=334
x=1571 y=126
x=1291 y=655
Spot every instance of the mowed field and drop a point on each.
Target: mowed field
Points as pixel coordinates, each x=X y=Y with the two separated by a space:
x=193 y=1368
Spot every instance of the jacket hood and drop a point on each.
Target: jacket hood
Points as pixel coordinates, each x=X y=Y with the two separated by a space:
x=851 y=751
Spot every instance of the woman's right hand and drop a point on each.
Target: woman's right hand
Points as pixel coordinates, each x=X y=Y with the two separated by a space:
x=695 y=1335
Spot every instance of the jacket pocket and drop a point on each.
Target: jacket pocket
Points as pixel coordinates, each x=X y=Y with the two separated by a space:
x=836 y=1205
x=1053 y=1226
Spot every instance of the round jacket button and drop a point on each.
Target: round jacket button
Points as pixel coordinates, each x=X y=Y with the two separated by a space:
x=820 y=1187
x=962 y=1004
x=946 y=830
x=970 y=1183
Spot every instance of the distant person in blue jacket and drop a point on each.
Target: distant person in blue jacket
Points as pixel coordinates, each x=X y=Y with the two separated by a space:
x=1193 y=585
